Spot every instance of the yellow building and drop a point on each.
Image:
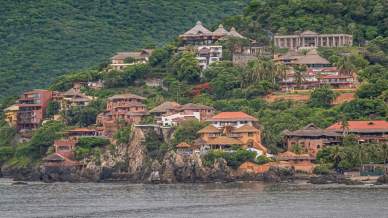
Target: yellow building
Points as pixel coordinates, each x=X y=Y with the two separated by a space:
x=10 y=114
x=231 y=128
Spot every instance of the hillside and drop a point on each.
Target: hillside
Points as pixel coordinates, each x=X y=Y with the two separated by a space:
x=364 y=19
x=42 y=39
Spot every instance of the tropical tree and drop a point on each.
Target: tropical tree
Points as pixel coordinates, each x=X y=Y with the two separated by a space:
x=345 y=65
x=299 y=71
x=337 y=155
x=322 y=97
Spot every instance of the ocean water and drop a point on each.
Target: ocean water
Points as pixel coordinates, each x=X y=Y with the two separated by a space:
x=191 y=200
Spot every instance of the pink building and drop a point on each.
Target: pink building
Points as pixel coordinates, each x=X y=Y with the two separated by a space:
x=127 y=108
x=32 y=108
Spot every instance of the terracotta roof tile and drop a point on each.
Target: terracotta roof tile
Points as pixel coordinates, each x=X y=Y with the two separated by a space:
x=233 y=116
x=224 y=140
x=165 y=107
x=126 y=96
x=210 y=129
x=183 y=145
x=362 y=126
x=245 y=128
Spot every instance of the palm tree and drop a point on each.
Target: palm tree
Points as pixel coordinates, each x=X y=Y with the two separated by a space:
x=280 y=71
x=337 y=154
x=345 y=65
x=299 y=71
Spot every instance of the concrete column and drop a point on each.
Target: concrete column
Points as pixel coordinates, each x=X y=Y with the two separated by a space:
x=327 y=42
x=292 y=43
x=302 y=41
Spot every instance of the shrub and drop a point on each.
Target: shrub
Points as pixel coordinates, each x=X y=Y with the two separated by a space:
x=322 y=169
x=263 y=159
x=92 y=142
x=234 y=159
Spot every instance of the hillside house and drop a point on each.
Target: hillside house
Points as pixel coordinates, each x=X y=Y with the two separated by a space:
x=10 y=115
x=172 y=113
x=228 y=129
x=124 y=59
x=74 y=98
x=127 y=108
x=32 y=108
x=310 y=139
x=366 y=131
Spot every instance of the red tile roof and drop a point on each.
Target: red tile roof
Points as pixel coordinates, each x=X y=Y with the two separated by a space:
x=65 y=142
x=81 y=130
x=233 y=116
x=362 y=126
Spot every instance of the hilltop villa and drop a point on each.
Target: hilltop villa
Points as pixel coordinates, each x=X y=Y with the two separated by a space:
x=204 y=42
x=200 y=35
x=310 y=39
x=228 y=129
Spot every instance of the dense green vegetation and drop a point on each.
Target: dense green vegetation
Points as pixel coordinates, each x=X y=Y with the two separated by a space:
x=351 y=154
x=43 y=39
x=364 y=19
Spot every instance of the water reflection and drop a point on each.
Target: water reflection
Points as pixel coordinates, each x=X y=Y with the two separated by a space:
x=191 y=200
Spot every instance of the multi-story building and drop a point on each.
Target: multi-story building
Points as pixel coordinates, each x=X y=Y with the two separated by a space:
x=231 y=128
x=310 y=39
x=32 y=108
x=313 y=78
x=127 y=108
x=310 y=139
x=365 y=131
x=124 y=59
x=208 y=54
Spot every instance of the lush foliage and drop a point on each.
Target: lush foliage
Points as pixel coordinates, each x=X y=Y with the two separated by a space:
x=187 y=131
x=322 y=97
x=44 y=39
x=90 y=146
x=364 y=19
x=234 y=158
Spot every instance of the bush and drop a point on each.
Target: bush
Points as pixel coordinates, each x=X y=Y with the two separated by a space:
x=91 y=142
x=6 y=153
x=187 y=131
x=322 y=169
x=234 y=159
x=263 y=160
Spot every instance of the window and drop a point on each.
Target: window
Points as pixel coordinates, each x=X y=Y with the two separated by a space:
x=250 y=134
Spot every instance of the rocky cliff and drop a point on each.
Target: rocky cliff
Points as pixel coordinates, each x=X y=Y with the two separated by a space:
x=131 y=162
